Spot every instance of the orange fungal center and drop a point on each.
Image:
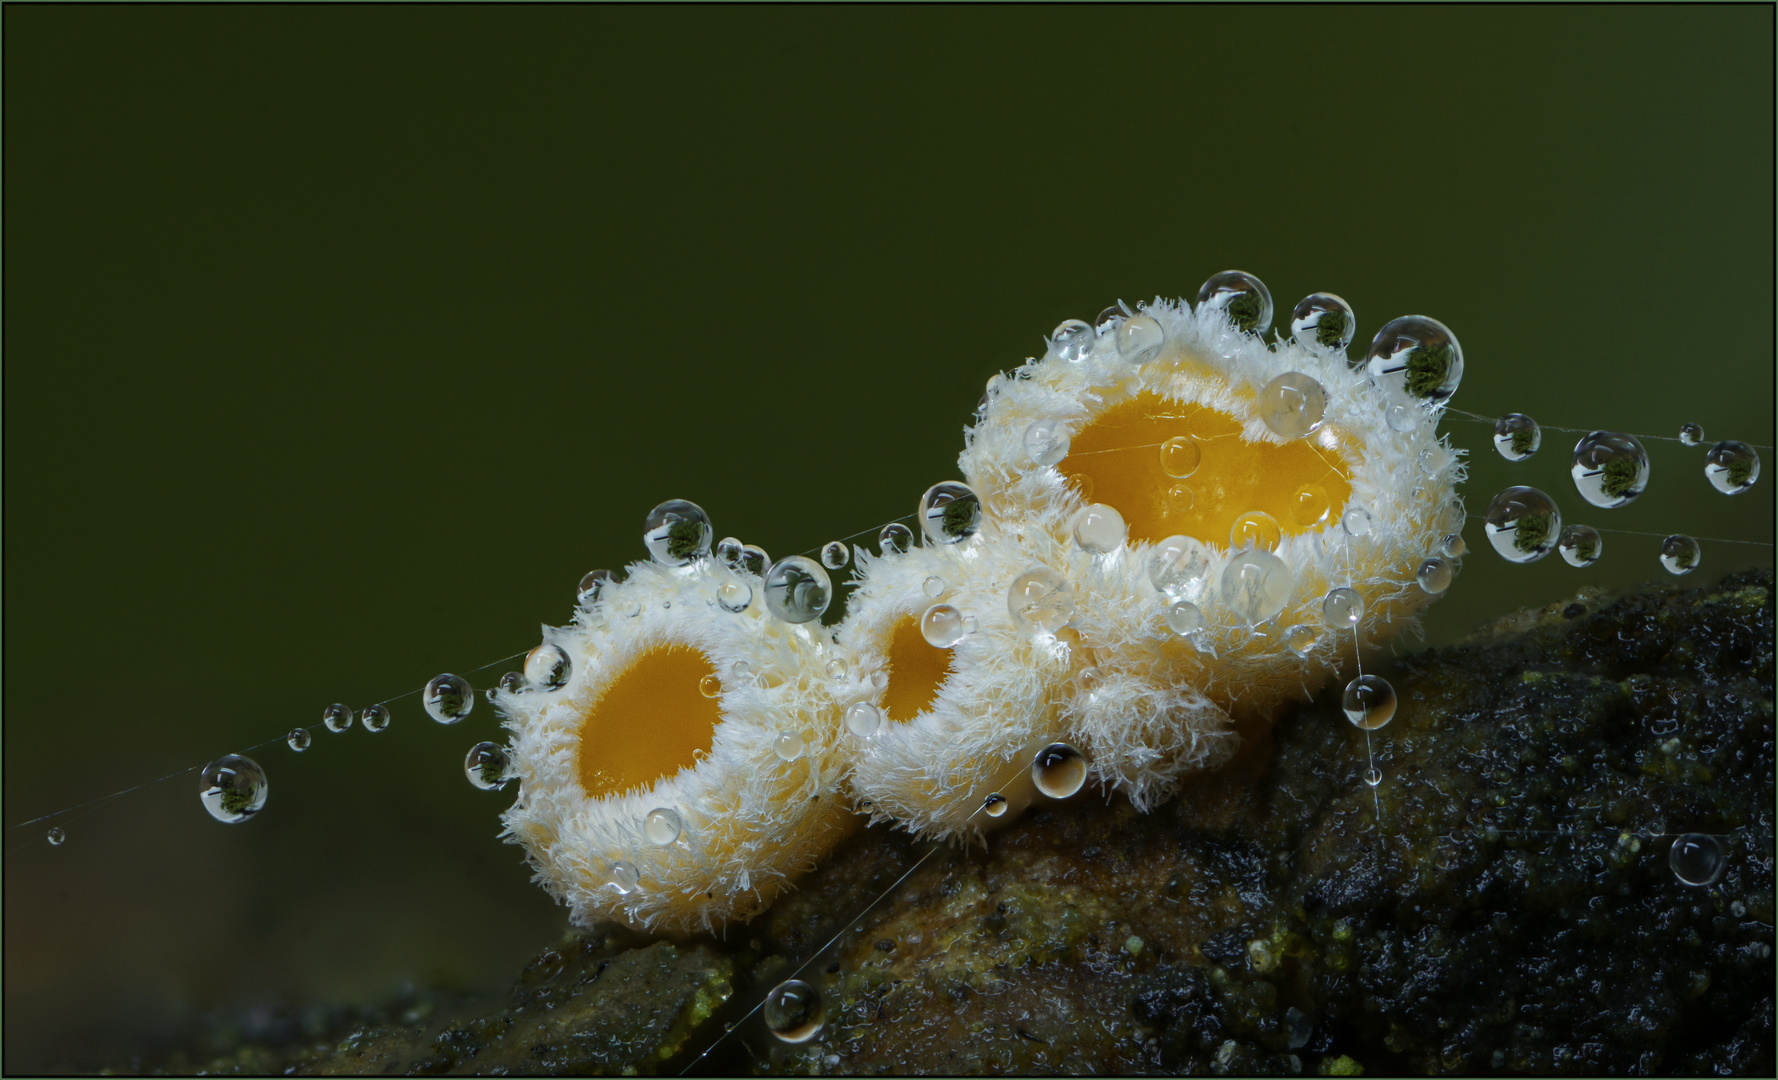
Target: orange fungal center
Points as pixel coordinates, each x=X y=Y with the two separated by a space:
x=649 y=723
x=916 y=670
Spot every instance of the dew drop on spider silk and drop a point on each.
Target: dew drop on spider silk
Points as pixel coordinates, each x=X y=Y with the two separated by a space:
x=793 y=1011
x=863 y=719
x=1523 y=524
x=375 y=718
x=662 y=826
x=895 y=539
x=1418 y=354
x=232 y=788
x=1139 y=339
x=1731 y=467
x=1356 y=521
x=1580 y=545
x=56 y=836
x=834 y=555
x=1040 y=601
x=1323 y=319
x=754 y=560
x=1691 y=434
x=624 y=878
x=1610 y=468
x=1046 y=442
x=1178 y=567
x=1680 y=554
x=488 y=766
x=547 y=667
x=1302 y=639
x=1309 y=505
x=1373 y=776
x=788 y=746
x=950 y=512
x=995 y=806
x=710 y=686
x=512 y=683
x=797 y=589
x=1369 y=702
x=1453 y=546
x=1292 y=405
x=1059 y=770
x=299 y=739
x=1256 y=529
x=336 y=718
x=1242 y=297
x=1435 y=574
x=1697 y=859
x=941 y=626
x=448 y=698
x=728 y=552
x=1184 y=618
x=735 y=595
x=1073 y=340
x=1342 y=609
x=933 y=587
x=593 y=586
x=676 y=532
x=1180 y=456
x=1517 y=436
x=1099 y=528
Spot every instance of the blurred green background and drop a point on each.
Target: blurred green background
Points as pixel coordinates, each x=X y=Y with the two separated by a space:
x=340 y=342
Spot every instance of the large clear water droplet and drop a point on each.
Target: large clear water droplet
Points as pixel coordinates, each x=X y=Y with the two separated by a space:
x=1046 y=442
x=895 y=539
x=1059 y=770
x=1342 y=609
x=1310 y=504
x=754 y=560
x=232 y=788
x=950 y=512
x=1680 y=554
x=1369 y=702
x=834 y=555
x=1139 y=339
x=547 y=667
x=1180 y=456
x=1731 y=467
x=677 y=532
x=1073 y=340
x=1178 y=567
x=592 y=586
x=1185 y=618
x=488 y=766
x=1517 y=436
x=793 y=1011
x=789 y=746
x=624 y=878
x=662 y=826
x=336 y=718
x=1356 y=521
x=797 y=589
x=1522 y=523
x=448 y=698
x=1292 y=405
x=1452 y=546
x=933 y=586
x=512 y=683
x=375 y=718
x=941 y=626
x=1108 y=319
x=1697 y=859
x=1040 y=601
x=1256 y=529
x=863 y=719
x=710 y=687
x=1610 y=468
x=1255 y=585
x=1420 y=355
x=1580 y=545
x=1242 y=297
x=1324 y=320
x=1691 y=434
x=1435 y=574
x=735 y=595
x=299 y=739
x=1099 y=528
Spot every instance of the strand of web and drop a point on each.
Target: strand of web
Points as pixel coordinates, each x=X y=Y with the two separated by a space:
x=1478 y=418
x=1358 y=655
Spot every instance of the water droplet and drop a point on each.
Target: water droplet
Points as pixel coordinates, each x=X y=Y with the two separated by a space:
x=797 y=589
x=1180 y=456
x=1310 y=505
x=56 y=836
x=1139 y=339
x=1419 y=354
x=593 y=586
x=1184 y=618
x=754 y=560
x=735 y=595
x=1292 y=405
x=1059 y=770
x=1453 y=546
x=834 y=555
x=375 y=718
x=677 y=532
x=662 y=826
x=895 y=539
x=1680 y=554
x=863 y=719
x=950 y=512
x=933 y=587
x=624 y=878
x=1731 y=467
x=487 y=766
x=1099 y=528
x=970 y=625
x=1517 y=436
x=448 y=698
x=1356 y=521
x=1242 y=297
x=1403 y=418
x=728 y=552
x=1110 y=317
x=1580 y=545
x=1302 y=639
x=1373 y=776
x=1522 y=523
x=1323 y=319
x=336 y=718
x=1182 y=497
x=836 y=669
x=1435 y=574
x=1342 y=609
x=1046 y=442
x=299 y=739
x=1697 y=859
x=995 y=806
x=1040 y=601
x=788 y=746
x=793 y=1011
x=1073 y=340
x=1256 y=529
x=1178 y=567
x=710 y=686
x=1610 y=468
x=547 y=667
x=879 y=679
x=233 y=788
x=1369 y=702
x=512 y=683
x=1255 y=585
x=1691 y=434
x=941 y=626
